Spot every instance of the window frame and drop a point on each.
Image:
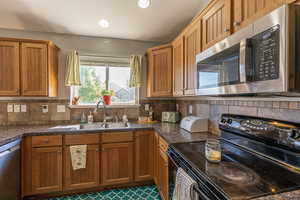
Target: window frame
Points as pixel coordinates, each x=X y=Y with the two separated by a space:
x=107 y=67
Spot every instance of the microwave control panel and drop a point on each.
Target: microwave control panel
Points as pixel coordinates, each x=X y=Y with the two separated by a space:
x=265 y=51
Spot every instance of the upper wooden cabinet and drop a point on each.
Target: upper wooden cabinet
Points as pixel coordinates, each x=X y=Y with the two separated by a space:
x=28 y=68
x=178 y=66
x=160 y=71
x=247 y=11
x=192 y=47
x=9 y=68
x=144 y=155
x=216 y=22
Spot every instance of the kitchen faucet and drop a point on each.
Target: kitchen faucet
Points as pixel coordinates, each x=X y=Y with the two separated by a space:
x=105 y=118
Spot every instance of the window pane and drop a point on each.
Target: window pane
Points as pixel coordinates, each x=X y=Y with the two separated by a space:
x=119 y=83
x=93 y=82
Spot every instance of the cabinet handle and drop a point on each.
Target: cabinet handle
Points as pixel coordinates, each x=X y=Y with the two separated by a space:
x=226 y=30
x=97 y=150
x=236 y=23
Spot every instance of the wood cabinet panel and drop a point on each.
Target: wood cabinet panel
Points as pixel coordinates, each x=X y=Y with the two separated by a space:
x=117 y=163
x=246 y=12
x=160 y=77
x=192 y=48
x=34 y=69
x=155 y=158
x=46 y=141
x=117 y=137
x=9 y=69
x=144 y=155
x=46 y=170
x=163 y=175
x=216 y=23
x=178 y=66
x=82 y=139
x=82 y=178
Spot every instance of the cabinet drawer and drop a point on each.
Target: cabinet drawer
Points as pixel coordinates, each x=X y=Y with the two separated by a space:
x=163 y=145
x=117 y=137
x=46 y=141
x=82 y=139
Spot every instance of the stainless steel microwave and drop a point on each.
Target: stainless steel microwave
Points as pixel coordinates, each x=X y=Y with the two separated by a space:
x=263 y=57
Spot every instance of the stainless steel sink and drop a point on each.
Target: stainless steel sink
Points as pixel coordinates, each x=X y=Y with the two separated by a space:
x=101 y=125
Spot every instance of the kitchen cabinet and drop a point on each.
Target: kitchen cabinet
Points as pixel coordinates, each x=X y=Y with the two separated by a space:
x=144 y=155
x=28 y=68
x=117 y=163
x=160 y=75
x=246 y=12
x=89 y=176
x=155 y=158
x=178 y=66
x=216 y=22
x=46 y=170
x=192 y=47
x=9 y=68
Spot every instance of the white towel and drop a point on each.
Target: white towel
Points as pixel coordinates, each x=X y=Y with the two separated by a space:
x=78 y=156
x=184 y=186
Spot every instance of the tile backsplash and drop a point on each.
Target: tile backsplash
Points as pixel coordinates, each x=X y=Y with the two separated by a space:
x=35 y=116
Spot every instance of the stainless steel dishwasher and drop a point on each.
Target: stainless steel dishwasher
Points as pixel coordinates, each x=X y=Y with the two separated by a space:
x=10 y=163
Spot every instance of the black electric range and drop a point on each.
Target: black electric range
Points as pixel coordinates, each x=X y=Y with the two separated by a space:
x=259 y=157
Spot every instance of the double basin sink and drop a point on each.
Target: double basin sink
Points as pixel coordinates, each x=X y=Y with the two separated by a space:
x=96 y=125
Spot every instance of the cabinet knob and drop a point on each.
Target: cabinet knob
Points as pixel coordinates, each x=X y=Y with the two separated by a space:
x=226 y=30
x=236 y=23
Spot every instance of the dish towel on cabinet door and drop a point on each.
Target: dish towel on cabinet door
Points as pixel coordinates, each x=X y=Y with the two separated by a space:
x=184 y=186
x=78 y=156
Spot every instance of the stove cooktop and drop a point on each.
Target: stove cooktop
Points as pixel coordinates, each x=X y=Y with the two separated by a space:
x=241 y=174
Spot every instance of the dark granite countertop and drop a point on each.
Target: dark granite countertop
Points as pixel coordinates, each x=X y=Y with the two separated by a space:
x=170 y=132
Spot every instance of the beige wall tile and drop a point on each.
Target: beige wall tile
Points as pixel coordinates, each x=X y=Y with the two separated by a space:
x=239 y=110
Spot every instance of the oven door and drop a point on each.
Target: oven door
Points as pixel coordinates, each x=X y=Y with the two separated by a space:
x=176 y=162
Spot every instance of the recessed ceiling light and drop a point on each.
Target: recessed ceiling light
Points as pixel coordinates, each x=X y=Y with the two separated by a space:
x=103 y=23
x=144 y=3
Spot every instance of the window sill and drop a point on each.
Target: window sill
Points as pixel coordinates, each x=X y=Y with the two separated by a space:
x=111 y=106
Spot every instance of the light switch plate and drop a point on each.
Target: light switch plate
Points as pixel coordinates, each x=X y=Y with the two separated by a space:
x=23 y=108
x=10 y=108
x=190 y=109
x=147 y=107
x=45 y=108
x=61 y=108
x=177 y=107
x=17 y=108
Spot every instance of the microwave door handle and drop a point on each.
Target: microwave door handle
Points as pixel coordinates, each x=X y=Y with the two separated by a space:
x=243 y=62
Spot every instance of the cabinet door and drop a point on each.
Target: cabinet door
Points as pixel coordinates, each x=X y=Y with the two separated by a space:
x=9 y=69
x=46 y=170
x=178 y=67
x=82 y=178
x=117 y=163
x=192 y=48
x=162 y=72
x=216 y=23
x=34 y=74
x=144 y=155
x=163 y=175
x=155 y=155
x=246 y=12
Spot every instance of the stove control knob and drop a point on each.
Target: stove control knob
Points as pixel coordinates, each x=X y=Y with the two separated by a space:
x=295 y=134
x=229 y=121
x=223 y=121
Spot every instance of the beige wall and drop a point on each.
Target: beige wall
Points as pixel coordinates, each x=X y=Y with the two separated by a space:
x=86 y=45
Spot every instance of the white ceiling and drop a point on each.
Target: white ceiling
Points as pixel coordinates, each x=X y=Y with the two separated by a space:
x=160 y=22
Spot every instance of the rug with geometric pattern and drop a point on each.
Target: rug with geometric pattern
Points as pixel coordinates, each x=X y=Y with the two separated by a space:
x=134 y=193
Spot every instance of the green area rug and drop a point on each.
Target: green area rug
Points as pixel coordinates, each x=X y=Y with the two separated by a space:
x=134 y=193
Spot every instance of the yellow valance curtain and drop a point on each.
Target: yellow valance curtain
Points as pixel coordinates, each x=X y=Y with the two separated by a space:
x=73 y=69
x=135 y=71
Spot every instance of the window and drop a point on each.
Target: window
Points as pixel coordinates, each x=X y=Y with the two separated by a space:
x=97 y=77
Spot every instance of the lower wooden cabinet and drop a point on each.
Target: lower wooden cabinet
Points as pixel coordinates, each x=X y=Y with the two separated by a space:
x=163 y=175
x=155 y=159
x=117 y=163
x=82 y=178
x=46 y=169
x=144 y=155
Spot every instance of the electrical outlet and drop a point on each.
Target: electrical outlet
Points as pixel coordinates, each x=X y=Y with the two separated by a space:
x=190 y=109
x=45 y=108
x=17 y=108
x=10 y=108
x=61 y=108
x=24 y=108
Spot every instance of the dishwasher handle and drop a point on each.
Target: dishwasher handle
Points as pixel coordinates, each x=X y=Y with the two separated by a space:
x=8 y=151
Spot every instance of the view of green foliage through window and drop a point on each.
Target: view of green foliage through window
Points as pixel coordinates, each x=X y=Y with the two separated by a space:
x=94 y=79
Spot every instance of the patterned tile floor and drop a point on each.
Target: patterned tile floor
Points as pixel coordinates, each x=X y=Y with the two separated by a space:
x=134 y=193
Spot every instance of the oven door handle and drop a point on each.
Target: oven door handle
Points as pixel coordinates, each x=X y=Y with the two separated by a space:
x=202 y=196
